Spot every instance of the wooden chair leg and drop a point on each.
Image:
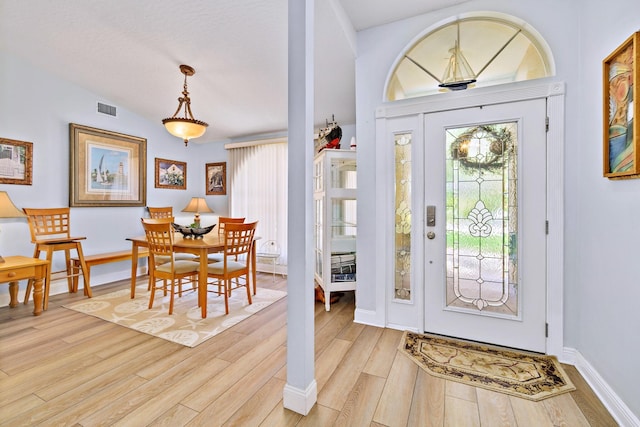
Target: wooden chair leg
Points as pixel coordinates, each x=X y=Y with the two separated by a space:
x=27 y=293
x=152 y=288
x=67 y=263
x=173 y=291
x=248 y=286
x=227 y=284
x=85 y=271
x=47 y=285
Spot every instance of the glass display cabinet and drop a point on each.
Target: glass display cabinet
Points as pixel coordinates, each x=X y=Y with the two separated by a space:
x=334 y=197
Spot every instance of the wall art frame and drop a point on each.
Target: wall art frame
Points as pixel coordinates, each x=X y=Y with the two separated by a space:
x=621 y=108
x=216 y=178
x=170 y=174
x=16 y=162
x=107 y=168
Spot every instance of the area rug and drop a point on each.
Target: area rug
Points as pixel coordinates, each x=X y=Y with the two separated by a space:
x=527 y=375
x=185 y=326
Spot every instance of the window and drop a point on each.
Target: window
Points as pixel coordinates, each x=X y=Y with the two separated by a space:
x=496 y=49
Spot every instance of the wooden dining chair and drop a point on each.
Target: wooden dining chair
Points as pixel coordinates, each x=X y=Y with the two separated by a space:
x=170 y=273
x=222 y=222
x=50 y=232
x=160 y=212
x=238 y=239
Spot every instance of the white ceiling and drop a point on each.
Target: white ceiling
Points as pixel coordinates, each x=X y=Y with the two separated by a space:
x=128 y=53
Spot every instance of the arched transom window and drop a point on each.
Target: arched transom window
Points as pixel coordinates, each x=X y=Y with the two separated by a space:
x=470 y=52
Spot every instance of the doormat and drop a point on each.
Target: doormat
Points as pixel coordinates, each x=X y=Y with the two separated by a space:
x=186 y=325
x=522 y=374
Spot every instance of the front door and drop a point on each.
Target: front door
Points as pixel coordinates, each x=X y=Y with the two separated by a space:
x=484 y=225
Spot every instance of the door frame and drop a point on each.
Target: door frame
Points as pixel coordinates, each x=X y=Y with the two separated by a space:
x=554 y=92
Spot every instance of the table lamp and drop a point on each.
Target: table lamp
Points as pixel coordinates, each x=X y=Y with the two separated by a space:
x=197 y=205
x=8 y=210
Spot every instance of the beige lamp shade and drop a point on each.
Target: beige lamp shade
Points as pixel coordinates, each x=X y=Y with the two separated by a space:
x=7 y=208
x=197 y=205
x=185 y=129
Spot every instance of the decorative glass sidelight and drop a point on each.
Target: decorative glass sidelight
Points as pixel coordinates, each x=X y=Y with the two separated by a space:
x=482 y=219
x=403 y=216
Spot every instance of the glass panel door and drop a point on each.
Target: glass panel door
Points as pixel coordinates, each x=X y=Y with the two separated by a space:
x=484 y=174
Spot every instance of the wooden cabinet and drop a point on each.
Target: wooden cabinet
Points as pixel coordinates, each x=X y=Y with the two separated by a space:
x=334 y=185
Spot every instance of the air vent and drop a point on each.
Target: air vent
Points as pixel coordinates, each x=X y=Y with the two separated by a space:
x=106 y=109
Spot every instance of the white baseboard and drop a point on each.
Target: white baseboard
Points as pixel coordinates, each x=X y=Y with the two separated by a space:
x=617 y=408
x=298 y=400
x=367 y=317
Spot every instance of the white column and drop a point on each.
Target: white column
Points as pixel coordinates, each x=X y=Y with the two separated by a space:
x=300 y=393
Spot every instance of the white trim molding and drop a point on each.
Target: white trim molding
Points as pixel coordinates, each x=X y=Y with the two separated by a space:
x=616 y=407
x=298 y=400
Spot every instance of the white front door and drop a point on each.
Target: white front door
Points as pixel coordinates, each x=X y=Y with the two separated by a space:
x=484 y=225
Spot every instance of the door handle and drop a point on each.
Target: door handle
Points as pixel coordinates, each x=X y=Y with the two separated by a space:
x=431 y=235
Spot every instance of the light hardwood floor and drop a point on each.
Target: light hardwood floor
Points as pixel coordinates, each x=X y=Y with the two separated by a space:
x=69 y=369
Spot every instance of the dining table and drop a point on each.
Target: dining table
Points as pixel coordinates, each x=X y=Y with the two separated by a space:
x=201 y=247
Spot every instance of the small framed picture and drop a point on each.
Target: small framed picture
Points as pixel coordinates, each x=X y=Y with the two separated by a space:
x=107 y=168
x=621 y=107
x=16 y=162
x=171 y=174
x=216 y=175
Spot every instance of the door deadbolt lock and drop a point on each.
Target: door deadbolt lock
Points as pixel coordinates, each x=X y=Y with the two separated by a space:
x=431 y=235
x=431 y=216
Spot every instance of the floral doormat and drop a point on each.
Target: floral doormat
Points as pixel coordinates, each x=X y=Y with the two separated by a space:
x=527 y=375
x=186 y=325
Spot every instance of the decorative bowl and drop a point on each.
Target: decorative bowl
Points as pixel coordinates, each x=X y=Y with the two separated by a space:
x=189 y=232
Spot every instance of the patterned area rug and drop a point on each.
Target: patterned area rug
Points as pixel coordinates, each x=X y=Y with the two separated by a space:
x=185 y=326
x=527 y=375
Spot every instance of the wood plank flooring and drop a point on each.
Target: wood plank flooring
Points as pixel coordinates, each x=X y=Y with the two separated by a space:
x=65 y=368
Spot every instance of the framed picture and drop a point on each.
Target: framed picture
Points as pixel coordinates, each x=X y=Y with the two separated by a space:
x=16 y=162
x=621 y=106
x=216 y=175
x=107 y=168
x=171 y=174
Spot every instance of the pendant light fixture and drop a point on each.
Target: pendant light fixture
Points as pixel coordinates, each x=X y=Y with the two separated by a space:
x=185 y=127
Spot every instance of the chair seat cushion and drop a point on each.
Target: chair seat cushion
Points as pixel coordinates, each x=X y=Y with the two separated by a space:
x=218 y=267
x=180 y=266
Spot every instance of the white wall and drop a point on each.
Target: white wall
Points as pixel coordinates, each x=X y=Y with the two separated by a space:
x=602 y=278
x=603 y=234
x=37 y=107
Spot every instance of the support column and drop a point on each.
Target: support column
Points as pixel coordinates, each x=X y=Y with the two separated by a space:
x=300 y=393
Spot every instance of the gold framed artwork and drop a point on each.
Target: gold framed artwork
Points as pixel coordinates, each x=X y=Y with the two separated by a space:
x=216 y=175
x=16 y=162
x=171 y=174
x=621 y=106
x=107 y=168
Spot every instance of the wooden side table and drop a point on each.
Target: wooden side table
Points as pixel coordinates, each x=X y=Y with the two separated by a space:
x=16 y=268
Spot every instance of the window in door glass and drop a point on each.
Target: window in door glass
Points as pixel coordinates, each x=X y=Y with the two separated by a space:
x=403 y=216
x=481 y=219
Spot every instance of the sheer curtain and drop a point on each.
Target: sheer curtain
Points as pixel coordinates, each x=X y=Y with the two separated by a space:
x=258 y=183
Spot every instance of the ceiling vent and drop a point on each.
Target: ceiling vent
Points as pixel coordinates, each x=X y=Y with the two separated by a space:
x=106 y=109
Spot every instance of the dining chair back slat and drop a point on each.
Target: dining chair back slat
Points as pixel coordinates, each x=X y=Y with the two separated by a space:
x=224 y=220
x=160 y=212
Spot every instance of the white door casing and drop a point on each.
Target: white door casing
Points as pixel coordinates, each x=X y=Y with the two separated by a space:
x=407 y=116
